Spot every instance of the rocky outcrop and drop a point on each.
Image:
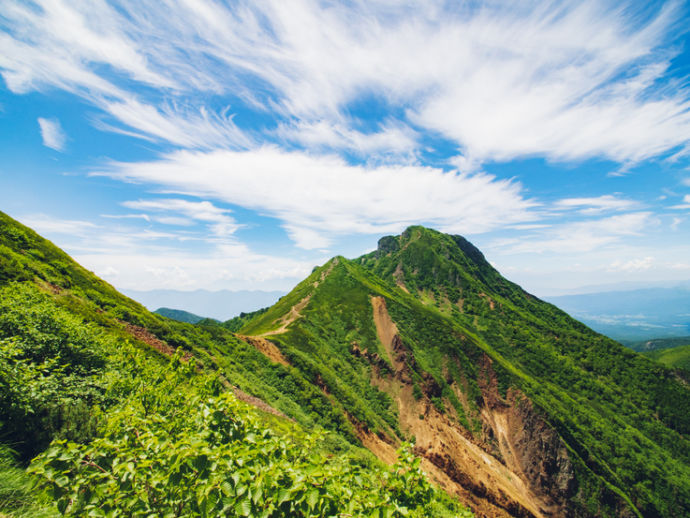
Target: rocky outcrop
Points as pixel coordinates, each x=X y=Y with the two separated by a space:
x=526 y=444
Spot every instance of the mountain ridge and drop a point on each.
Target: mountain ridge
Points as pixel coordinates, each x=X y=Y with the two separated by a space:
x=115 y=387
x=531 y=346
x=513 y=406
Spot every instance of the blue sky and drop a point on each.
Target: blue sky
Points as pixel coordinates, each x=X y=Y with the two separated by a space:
x=199 y=144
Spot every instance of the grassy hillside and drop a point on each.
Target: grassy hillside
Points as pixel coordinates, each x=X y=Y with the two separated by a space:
x=626 y=419
x=125 y=425
x=511 y=404
x=622 y=419
x=676 y=357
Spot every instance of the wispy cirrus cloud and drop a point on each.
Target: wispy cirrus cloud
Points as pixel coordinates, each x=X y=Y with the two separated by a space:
x=566 y=81
x=684 y=205
x=596 y=205
x=52 y=134
x=578 y=236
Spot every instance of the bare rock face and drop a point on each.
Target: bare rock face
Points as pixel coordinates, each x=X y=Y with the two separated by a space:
x=540 y=452
x=386 y=245
x=517 y=434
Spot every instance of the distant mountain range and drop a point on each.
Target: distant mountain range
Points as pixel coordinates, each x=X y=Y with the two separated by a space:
x=221 y=305
x=179 y=315
x=632 y=315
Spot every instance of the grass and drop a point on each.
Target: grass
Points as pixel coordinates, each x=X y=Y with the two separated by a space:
x=18 y=498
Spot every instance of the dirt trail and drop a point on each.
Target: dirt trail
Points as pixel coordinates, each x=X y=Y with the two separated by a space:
x=453 y=460
x=294 y=312
x=289 y=318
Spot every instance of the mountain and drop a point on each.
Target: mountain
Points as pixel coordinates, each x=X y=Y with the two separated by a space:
x=179 y=315
x=127 y=413
x=632 y=315
x=221 y=304
x=512 y=406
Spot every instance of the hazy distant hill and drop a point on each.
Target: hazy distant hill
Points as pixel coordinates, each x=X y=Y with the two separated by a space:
x=221 y=305
x=179 y=315
x=633 y=315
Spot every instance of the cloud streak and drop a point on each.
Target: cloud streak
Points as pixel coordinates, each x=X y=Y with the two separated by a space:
x=317 y=196
x=52 y=134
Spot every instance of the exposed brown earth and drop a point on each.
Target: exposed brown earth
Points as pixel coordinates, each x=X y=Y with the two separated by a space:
x=144 y=335
x=266 y=347
x=399 y=277
x=258 y=403
x=533 y=476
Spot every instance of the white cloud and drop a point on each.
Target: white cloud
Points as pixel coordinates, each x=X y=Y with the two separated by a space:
x=558 y=79
x=318 y=196
x=675 y=222
x=684 y=205
x=596 y=205
x=179 y=125
x=238 y=268
x=52 y=134
x=222 y=225
x=392 y=138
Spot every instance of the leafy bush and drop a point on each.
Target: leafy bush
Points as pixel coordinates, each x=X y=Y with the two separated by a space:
x=50 y=368
x=178 y=445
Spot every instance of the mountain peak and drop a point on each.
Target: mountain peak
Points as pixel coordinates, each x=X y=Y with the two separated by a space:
x=423 y=259
x=430 y=238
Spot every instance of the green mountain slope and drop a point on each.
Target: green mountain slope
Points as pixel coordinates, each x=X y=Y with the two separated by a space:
x=138 y=429
x=424 y=338
x=512 y=406
x=677 y=357
x=179 y=315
